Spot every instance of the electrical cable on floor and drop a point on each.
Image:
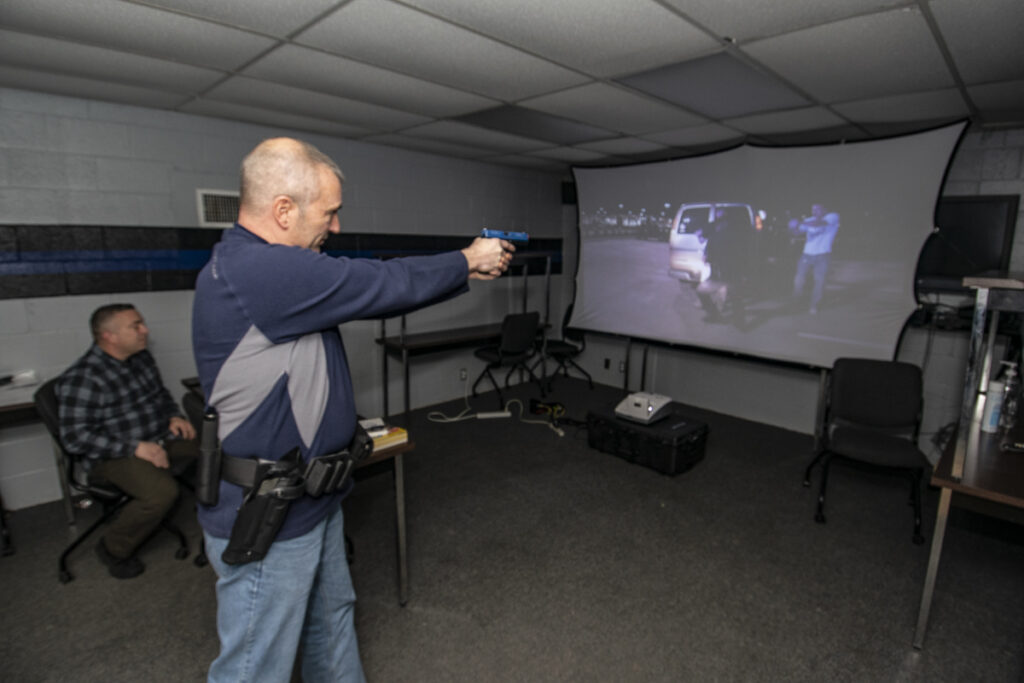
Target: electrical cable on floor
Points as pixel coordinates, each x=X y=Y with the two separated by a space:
x=466 y=414
x=549 y=423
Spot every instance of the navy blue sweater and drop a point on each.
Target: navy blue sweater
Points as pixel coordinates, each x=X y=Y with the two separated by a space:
x=270 y=357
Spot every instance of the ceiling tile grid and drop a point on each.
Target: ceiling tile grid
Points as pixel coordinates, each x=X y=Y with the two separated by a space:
x=598 y=37
x=410 y=42
x=534 y=83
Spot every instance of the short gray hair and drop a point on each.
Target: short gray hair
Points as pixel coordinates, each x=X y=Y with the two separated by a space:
x=283 y=166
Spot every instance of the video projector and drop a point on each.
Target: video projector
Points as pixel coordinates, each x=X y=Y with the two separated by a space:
x=643 y=407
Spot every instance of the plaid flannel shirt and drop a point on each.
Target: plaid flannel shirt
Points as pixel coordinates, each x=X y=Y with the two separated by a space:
x=107 y=406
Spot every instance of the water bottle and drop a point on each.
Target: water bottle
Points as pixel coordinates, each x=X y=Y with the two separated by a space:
x=993 y=403
x=1011 y=397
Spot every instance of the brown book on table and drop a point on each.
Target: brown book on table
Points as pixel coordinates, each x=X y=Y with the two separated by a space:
x=393 y=436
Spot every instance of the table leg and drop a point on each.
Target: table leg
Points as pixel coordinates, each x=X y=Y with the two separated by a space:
x=5 y=536
x=405 y=366
x=384 y=371
x=933 y=566
x=403 y=567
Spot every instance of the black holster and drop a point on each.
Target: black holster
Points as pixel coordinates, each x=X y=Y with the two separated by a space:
x=263 y=510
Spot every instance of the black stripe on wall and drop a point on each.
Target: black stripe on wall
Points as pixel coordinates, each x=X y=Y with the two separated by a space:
x=61 y=260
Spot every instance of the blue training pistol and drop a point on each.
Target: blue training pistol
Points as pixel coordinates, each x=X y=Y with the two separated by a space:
x=522 y=237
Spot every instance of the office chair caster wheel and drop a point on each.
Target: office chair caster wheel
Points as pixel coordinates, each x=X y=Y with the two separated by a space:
x=65 y=576
x=918 y=539
x=819 y=518
x=181 y=553
x=200 y=560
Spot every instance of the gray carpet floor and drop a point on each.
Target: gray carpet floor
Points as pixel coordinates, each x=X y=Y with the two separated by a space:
x=533 y=557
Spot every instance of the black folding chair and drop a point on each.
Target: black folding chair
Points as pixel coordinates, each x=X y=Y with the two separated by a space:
x=871 y=418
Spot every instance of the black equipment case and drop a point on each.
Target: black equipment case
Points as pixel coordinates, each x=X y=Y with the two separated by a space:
x=670 y=445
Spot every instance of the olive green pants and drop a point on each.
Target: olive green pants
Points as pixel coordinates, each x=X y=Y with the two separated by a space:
x=153 y=492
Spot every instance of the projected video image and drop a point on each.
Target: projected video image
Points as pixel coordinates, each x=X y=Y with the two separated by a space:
x=797 y=254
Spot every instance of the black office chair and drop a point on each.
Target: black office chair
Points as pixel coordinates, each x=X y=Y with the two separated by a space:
x=517 y=346
x=564 y=350
x=76 y=483
x=871 y=418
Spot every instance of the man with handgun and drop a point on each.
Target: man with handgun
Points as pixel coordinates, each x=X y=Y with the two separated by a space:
x=274 y=372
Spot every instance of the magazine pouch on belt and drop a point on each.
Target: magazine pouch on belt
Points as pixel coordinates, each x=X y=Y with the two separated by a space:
x=330 y=473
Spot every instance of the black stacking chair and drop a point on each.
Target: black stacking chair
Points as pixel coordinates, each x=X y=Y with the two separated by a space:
x=517 y=346
x=871 y=419
x=564 y=350
x=193 y=404
x=77 y=485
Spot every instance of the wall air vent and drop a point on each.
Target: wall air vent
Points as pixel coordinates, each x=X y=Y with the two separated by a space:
x=217 y=208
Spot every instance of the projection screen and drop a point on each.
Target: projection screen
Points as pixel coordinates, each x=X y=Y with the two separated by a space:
x=797 y=254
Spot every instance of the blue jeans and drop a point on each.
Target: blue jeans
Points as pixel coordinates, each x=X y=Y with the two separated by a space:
x=818 y=264
x=302 y=588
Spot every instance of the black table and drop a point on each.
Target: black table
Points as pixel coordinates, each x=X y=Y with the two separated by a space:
x=407 y=345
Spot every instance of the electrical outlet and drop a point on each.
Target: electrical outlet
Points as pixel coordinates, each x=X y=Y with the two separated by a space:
x=462 y=374
x=622 y=366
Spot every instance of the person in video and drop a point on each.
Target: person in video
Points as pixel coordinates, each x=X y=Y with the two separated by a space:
x=819 y=231
x=722 y=295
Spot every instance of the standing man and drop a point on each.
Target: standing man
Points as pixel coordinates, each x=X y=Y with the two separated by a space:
x=117 y=416
x=272 y=365
x=820 y=231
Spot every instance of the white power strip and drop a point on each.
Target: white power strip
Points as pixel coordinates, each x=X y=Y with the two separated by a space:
x=496 y=413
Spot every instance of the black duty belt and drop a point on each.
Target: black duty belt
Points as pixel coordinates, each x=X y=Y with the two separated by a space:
x=321 y=475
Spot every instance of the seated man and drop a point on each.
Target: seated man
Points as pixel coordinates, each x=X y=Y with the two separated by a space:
x=116 y=414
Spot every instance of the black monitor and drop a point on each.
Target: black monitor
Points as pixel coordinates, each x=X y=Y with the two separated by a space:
x=974 y=234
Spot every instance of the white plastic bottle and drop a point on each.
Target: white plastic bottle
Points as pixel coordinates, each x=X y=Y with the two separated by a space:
x=993 y=403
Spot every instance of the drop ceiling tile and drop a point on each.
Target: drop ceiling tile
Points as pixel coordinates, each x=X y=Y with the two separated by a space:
x=623 y=146
x=271 y=117
x=869 y=56
x=706 y=134
x=1001 y=102
x=1000 y=56
x=138 y=29
x=272 y=17
x=406 y=40
x=334 y=75
x=465 y=134
x=808 y=118
x=717 y=86
x=267 y=95
x=605 y=106
x=599 y=37
x=744 y=20
x=73 y=59
x=87 y=88
x=923 y=106
x=428 y=145
x=570 y=155
x=536 y=125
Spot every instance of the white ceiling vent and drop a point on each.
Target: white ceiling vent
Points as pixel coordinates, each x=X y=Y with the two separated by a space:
x=217 y=208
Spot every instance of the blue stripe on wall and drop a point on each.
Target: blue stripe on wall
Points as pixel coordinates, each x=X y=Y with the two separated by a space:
x=36 y=261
